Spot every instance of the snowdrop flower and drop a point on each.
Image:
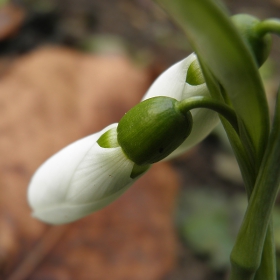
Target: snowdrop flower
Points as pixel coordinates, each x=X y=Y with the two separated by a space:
x=82 y=178
x=182 y=80
x=94 y=171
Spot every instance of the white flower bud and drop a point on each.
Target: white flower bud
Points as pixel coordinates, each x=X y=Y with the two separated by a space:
x=80 y=179
x=94 y=171
x=172 y=83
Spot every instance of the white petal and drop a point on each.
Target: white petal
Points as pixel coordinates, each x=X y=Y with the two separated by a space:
x=65 y=213
x=101 y=173
x=204 y=121
x=171 y=82
x=80 y=179
x=190 y=90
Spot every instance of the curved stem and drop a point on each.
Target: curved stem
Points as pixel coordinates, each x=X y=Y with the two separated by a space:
x=196 y=102
x=244 y=266
x=268 y=26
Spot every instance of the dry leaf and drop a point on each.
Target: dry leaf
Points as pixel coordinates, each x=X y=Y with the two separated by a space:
x=48 y=99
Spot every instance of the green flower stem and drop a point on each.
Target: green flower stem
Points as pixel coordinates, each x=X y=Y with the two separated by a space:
x=209 y=103
x=268 y=26
x=247 y=253
x=229 y=65
x=267 y=269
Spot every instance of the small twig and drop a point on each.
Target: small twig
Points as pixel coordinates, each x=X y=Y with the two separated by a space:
x=38 y=253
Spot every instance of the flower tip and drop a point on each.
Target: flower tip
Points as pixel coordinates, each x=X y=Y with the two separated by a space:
x=55 y=216
x=61 y=214
x=81 y=179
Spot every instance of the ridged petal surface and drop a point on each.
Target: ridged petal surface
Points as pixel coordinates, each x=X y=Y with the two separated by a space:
x=79 y=179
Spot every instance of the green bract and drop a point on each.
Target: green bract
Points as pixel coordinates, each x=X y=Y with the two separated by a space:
x=153 y=129
x=108 y=139
x=194 y=75
x=259 y=44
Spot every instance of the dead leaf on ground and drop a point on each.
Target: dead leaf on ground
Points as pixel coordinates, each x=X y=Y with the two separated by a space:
x=48 y=99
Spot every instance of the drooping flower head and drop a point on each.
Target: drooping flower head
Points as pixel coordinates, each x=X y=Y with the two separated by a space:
x=94 y=171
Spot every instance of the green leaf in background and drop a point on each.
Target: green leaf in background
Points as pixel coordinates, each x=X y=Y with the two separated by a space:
x=3 y=2
x=208 y=221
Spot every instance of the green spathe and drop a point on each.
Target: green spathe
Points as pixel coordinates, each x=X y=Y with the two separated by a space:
x=259 y=44
x=108 y=139
x=153 y=129
x=194 y=75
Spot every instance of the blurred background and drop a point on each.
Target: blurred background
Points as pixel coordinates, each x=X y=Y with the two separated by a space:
x=67 y=69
